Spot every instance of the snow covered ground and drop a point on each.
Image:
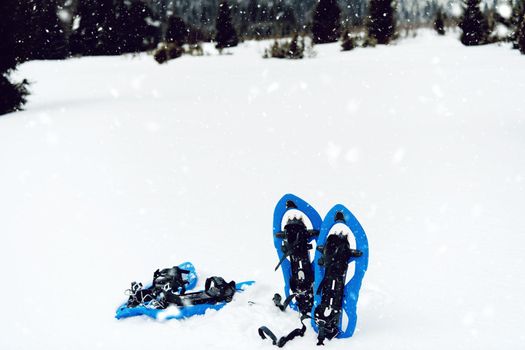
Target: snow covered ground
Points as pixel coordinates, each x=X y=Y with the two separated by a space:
x=120 y=166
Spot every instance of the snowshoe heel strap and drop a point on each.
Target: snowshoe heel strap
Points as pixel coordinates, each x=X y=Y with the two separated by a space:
x=298 y=332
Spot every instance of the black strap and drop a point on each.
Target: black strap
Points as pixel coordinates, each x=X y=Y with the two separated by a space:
x=285 y=255
x=266 y=332
x=216 y=290
x=326 y=329
x=298 y=332
x=277 y=298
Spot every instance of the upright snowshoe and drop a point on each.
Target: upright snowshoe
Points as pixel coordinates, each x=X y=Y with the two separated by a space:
x=293 y=243
x=334 y=310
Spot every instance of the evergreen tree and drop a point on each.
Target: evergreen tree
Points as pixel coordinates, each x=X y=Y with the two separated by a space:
x=326 y=25
x=225 y=36
x=12 y=95
x=521 y=35
x=286 y=20
x=205 y=17
x=94 y=35
x=135 y=29
x=49 y=39
x=348 y=41
x=518 y=11
x=144 y=35
x=120 y=33
x=381 y=21
x=474 y=25
x=296 y=48
x=439 y=23
x=24 y=36
x=177 y=31
x=253 y=11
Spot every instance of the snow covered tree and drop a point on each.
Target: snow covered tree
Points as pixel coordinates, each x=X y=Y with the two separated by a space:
x=326 y=25
x=225 y=36
x=12 y=95
x=521 y=35
x=474 y=25
x=439 y=23
x=48 y=39
x=381 y=21
x=177 y=31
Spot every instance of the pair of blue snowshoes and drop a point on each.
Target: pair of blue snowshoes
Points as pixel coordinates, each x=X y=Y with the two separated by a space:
x=167 y=297
x=318 y=289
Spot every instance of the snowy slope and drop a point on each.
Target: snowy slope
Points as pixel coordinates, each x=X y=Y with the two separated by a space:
x=120 y=166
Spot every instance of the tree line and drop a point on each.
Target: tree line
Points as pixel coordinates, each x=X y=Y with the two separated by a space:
x=113 y=27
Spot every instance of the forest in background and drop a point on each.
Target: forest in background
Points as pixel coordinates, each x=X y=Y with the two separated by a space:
x=58 y=29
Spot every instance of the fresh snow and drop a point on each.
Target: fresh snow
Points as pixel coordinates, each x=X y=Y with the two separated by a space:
x=120 y=166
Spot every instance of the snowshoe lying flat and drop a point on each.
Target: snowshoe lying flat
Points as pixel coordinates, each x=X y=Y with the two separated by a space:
x=293 y=243
x=215 y=296
x=165 y=283
x=334 y=310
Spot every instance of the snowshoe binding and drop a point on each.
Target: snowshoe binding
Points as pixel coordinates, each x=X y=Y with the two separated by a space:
x=166 y=283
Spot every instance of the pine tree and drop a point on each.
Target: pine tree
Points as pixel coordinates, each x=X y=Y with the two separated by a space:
x=120 y=33
x=252 y=11
x=296 y=49
x=521 y=35
x=348 y=41
x=48 y=39
x=286 y=20
x=141 y=35
x=326 y=25
x=381 y=21
x=439 y=23
x=177 y=31
x=205 y=17
x=95 y=33
x=518 y=11
x=12 y=95
x=24 y=35
x=474 y=25
x=225 y=36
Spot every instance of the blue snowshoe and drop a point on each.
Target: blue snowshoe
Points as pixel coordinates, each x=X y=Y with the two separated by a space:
x=167 y=297
x=293 y=242
x=334 y=310
x=166 y=283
